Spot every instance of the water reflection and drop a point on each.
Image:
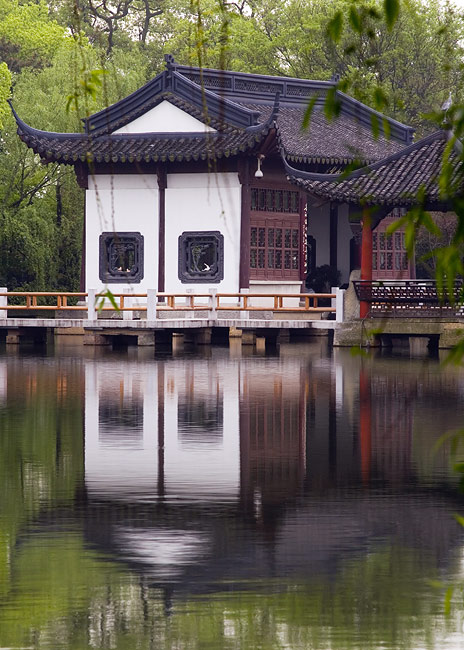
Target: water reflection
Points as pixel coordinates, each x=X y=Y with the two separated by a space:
x=290 y=501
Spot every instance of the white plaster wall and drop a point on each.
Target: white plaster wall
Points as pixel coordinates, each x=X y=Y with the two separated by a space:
x=319 y=228
x=343 y=246
x=201 y=202
x=272 y=287
x=165 y=118
x=122 y=203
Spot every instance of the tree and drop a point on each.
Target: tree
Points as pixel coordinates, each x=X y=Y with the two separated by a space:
x=427 y=242
x=28 y=36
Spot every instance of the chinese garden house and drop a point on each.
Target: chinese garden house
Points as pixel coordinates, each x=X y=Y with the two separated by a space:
x=205 y=179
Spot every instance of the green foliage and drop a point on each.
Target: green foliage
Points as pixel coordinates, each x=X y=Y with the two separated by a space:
x=28 y=36
x=335 y=25
x=86 y=90
x=392 y=10
x=5 y=84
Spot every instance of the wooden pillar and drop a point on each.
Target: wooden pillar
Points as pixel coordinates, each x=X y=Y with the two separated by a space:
x=82 y=172
x=303 y=238
x=244 y=176
x=333 y=244
x=84 y=248
x=161 y=172
x=366 y=256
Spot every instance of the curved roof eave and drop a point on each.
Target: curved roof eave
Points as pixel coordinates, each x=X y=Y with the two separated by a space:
x=364 y=170
x=71 y=148
x=31 y=132
x=395 y=180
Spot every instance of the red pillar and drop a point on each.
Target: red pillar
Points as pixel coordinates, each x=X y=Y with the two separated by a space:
x=366 y=256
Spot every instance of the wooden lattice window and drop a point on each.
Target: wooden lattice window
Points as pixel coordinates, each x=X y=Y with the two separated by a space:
x=275 y=246
x=389 y=257
x=267 y=200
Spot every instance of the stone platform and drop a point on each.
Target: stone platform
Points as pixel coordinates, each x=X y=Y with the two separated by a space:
x=145 y=332
x=438 y=332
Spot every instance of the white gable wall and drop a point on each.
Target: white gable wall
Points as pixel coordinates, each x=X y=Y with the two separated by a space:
x=201 y=202
x=165 y=118
x=122 y=203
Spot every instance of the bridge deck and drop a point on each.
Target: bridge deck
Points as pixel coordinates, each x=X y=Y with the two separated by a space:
x=162 y=324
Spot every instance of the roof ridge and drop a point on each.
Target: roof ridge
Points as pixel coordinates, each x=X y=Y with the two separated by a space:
x=294 y=91
x=170 y=81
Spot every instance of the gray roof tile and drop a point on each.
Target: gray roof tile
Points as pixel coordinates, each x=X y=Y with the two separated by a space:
x=396 y=180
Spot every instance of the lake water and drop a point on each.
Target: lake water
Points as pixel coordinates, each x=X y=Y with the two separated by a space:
x=219 y=499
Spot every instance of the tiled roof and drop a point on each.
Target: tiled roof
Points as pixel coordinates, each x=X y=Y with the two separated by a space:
x=261 y=89
x=338 y=142
x=239 y=107
x=395 y=180
x=70 y=148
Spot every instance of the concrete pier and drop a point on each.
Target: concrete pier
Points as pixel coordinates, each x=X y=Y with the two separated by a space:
x=197 y=331
x=382 y=332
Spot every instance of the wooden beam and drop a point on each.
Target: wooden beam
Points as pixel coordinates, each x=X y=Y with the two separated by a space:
x=162 y=183
x=366 y=256
x=303 y=238
x=82 y=278
x=244 y=176
x=333 y=236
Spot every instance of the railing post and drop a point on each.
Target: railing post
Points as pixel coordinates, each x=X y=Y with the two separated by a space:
x=151 y=304
x=213 y=303
x=3 y=303
x=91 y=311
x=190 y=312
x=339 y=303
x=245 y=314
x=126 y=302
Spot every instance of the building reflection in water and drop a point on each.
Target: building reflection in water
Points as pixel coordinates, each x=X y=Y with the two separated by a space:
x=272 y=435
x=161 y=428
x=191 y=445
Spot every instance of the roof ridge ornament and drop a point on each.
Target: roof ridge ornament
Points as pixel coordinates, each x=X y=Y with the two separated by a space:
x=170 y=62
x=271 y=121
x=276 y=107
x=171 y=66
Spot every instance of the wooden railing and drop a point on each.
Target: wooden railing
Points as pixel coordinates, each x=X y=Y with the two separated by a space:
x=31 y=300
x=409 y=298
x=153 y=302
